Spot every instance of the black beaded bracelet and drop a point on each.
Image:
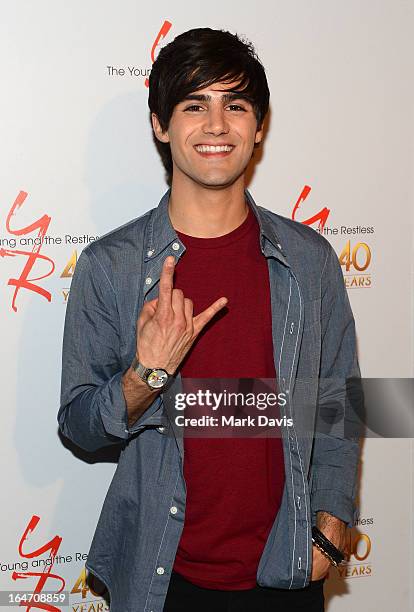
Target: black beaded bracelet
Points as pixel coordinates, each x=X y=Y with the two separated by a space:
x=331 y=552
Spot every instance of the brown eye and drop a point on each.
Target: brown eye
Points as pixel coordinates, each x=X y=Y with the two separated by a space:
x=236 y=107
x=193 y=108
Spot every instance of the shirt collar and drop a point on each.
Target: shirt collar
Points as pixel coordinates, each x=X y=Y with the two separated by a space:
x=161 y=233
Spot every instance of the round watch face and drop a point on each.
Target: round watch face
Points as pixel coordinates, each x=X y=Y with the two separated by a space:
x=157 y=379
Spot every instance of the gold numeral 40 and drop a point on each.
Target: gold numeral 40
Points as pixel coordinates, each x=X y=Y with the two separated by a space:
x=348 y=258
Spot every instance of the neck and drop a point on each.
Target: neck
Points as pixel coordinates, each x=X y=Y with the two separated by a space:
x=207 y=213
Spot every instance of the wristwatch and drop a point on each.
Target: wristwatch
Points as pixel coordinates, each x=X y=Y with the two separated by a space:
x=156 y=378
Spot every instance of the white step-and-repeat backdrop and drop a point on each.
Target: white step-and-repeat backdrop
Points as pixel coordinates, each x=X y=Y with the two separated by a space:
x=77 y=159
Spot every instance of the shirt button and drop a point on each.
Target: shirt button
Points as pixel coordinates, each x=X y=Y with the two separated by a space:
x=150 y=252
x=173 y=510
x=175 y=246
x=148 y=280
x=160 y=571
x=161 y=429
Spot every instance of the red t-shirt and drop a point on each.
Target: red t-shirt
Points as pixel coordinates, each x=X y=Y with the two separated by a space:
x=234 y=485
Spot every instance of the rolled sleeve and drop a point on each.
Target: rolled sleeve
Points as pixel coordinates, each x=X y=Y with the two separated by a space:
x=114 y=412
x=332 y=500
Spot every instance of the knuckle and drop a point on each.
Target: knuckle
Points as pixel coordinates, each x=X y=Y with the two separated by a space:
x=164 y=284
x=165 y=277
x=180 y=325
x=163 y=317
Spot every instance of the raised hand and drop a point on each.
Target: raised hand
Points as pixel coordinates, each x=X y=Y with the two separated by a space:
x=166 y=327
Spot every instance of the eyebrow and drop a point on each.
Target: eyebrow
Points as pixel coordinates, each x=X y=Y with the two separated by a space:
x=227 y=97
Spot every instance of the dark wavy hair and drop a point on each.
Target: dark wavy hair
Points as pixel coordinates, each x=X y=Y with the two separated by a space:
x=199 y=58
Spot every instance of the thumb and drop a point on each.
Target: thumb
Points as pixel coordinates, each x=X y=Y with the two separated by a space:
x=147 y=312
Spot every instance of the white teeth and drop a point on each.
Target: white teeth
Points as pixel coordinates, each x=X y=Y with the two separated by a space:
x=212 y=149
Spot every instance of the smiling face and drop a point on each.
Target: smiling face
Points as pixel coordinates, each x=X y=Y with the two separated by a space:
x=212 y=133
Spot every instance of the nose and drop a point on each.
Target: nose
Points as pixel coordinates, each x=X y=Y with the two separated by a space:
x=215 y=121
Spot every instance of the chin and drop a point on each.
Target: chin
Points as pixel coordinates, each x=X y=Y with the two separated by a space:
x=217 y=181
x=217 y=184
x=212 y=179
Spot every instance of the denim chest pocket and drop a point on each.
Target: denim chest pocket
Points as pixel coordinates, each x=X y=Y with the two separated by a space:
x=312 y=313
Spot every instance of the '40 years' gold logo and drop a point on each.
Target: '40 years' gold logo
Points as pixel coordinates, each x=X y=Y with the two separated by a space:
x=356 y=261
x=357 y=552
x=85 y=587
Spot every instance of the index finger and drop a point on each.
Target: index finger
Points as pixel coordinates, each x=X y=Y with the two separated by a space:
x=166 y=285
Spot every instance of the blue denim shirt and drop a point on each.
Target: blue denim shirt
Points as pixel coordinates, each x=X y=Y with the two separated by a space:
x=142 y=518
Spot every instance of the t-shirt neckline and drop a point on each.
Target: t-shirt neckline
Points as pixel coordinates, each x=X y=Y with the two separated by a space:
x=219 y=241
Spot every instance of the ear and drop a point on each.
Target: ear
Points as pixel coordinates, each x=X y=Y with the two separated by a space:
x=259 y=134
x=158 y=131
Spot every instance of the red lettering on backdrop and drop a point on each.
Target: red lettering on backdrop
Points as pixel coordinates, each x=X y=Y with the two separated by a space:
x=24 y=282
x=53 y=547
x=321 y=216
x=165 y=28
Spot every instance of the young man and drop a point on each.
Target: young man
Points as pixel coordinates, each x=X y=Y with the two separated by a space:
x=210 y=285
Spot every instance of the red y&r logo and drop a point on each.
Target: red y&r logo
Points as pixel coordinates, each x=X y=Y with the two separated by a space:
x=165 y=28
x=321 y=216
x=52 y=547
x=24 y=282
